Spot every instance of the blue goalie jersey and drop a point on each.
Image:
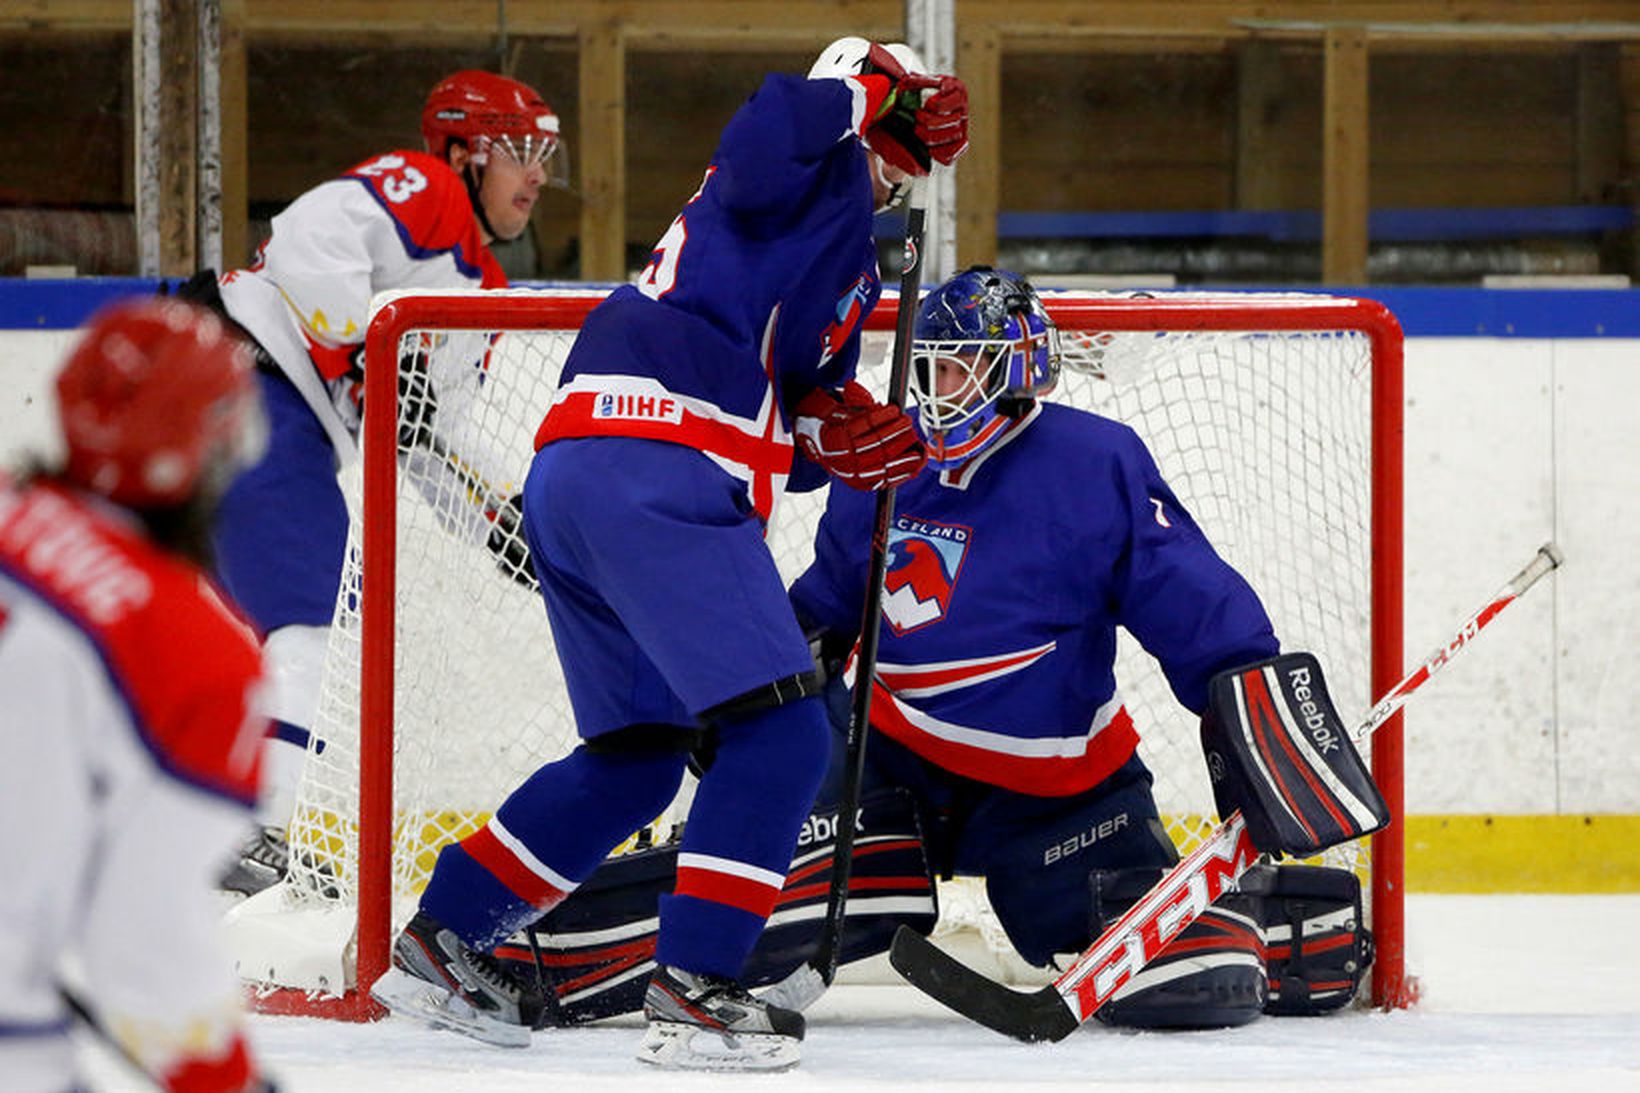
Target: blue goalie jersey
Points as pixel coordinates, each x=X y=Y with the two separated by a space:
x=751 y=299
x=1007 y=580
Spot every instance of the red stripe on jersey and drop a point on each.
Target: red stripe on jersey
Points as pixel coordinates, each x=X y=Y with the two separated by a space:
x=903 y=678
x=753 y=897
x=183 y=664
x=765 y=457
x=518 y=878
x=1039 y=776
x=430 y=203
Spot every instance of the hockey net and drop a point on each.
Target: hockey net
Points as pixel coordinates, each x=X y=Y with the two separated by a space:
x=1275 y=417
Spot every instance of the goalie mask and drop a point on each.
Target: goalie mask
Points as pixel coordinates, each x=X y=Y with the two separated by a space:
x=985 y=350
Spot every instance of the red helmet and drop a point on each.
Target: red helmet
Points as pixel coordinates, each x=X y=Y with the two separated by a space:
x=480 y=109
x=156 y=396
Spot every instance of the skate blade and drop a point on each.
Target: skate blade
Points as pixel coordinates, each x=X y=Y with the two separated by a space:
x=674 y=1046
x=433 y=1006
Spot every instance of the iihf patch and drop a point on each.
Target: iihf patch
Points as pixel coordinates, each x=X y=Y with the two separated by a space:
x=632 y=407
x=924 y=561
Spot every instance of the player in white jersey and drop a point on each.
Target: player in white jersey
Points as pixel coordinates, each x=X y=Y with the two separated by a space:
x=130 y=752
x=403 y=220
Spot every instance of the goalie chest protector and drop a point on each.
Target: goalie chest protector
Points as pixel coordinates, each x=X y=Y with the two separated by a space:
x=1277 y=749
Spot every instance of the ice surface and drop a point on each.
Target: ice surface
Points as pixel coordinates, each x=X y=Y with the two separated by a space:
x=1521 y=993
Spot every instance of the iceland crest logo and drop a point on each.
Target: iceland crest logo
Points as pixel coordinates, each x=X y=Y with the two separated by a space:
x=924 y=561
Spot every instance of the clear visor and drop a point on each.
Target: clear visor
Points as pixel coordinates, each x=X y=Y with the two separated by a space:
x=535 y=150
x=952 y=381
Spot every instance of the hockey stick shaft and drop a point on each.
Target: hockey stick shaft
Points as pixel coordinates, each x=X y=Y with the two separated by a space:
x=1177 y=900
x=859 y=722
x=1547 y=558
x=94 y=1025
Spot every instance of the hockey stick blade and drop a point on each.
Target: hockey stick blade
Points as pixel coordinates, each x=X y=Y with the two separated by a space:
x=1177 y=900
x=1119 y=954
x=1029 y=1016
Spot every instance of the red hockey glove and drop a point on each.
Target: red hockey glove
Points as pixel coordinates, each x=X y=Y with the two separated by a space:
x=863 y=443
x=920 y=120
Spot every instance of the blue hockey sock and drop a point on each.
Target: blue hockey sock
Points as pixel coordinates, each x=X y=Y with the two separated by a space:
x=546 y=838
x=742 y=829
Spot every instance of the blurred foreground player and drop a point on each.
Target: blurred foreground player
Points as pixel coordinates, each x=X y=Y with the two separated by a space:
x=129 y=750
x=689 y=401
x=402 y=220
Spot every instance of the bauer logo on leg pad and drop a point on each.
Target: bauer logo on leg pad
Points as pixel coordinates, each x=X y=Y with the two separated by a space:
x=1276 y=749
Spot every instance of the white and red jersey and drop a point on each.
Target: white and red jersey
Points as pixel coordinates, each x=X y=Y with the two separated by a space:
x=129 y=762
x=402 y=220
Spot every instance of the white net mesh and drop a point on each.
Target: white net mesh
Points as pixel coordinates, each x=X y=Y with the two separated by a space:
x=1265 y=436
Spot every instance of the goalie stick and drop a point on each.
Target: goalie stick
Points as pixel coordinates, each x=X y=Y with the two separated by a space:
x=1183 y=893
x=808 y=982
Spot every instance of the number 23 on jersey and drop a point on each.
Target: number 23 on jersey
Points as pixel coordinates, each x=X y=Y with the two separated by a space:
x=397 y=181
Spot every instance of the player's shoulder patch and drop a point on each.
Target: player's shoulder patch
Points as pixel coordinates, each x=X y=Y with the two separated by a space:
x=184 y=666
x=424 y=196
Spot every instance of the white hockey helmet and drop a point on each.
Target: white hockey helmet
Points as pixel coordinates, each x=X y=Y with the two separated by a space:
x=847 y=57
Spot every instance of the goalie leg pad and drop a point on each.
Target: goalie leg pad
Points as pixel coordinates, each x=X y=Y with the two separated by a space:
x=1277 y=750
x=1211 y=976
x=597 y=948
x=1316 y=941
x=1036 y=852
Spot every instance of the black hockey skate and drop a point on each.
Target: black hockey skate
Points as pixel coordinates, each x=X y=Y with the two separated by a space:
x=704 y=1022
x=263 y=861
x=439 y=980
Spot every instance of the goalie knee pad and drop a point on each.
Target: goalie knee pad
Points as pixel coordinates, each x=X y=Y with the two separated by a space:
x=1315 y=938
x=594 y=952
x=1211 y=976
x=1277 y=750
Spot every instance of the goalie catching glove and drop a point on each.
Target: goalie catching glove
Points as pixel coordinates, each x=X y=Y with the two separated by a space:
x=1277 y=750
x=916 y=120
x=864 y=443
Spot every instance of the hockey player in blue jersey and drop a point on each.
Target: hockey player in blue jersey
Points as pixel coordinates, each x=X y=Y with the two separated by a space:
x=1000 y=745
x=1036 y=531
x=689 y=401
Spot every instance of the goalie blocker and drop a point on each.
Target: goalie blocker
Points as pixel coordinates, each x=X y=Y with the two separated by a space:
x=1277 y=750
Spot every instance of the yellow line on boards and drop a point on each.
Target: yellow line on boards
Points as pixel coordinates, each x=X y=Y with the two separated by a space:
x=1534 y=853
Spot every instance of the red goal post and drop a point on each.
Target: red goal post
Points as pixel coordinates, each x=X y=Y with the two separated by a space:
x=1102 y=332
